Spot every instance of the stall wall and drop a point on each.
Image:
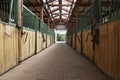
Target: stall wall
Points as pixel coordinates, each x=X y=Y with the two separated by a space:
x=107 y=51
x=48 y=40
x=39 y=41
x=78 y=42
x=28 y=44
x=44 y=42
x=119 y=50
x=8 y=47
x=87 y=44
x=106 y=54
x=73 y=40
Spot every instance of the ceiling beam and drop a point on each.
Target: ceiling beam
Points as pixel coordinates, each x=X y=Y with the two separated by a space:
x=32 y=4
x=59 y=4
x=60 y=14
x=85 y=4
x=49 y=10
x=65 y=20
x=60 y=7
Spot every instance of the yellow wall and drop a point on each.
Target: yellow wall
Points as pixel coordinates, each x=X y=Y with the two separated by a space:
x=8 y=47
x=107 y=51
x=87 y=44
x=28 y=44
x=78 y=43
x=39 y=41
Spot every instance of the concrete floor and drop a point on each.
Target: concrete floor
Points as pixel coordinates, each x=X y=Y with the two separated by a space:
x=58 y=62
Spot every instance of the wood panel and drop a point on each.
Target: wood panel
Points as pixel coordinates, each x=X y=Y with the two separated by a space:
x=73 y=41
x=1 y=49
x=39 y=41
x=90 y=46
x=44 y=42
x=8 y=47
x=106 y=52
x=113 y=47
x=84 y=44
x=48 y=40
x=119 y=51
x=28 y=44
x=87 y=44
x=78 y=43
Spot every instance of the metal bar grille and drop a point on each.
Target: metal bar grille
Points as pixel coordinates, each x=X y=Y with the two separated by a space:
x=8 y=11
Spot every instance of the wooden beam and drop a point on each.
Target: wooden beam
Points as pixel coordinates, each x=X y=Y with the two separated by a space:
x=50 y=10
x=20 y=3
x=60 y=14
x=59 y=4
x=61 y=19
x=85 y=4
x=41 y=12
x=32 y=4
x=35 y=11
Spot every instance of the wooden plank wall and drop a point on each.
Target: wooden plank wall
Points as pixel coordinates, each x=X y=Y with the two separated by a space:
x=100 y=51
x=52 y=40
x=48 y=40
x=119 y=50
x=73 y=40
x=78 y=43
x=106 y=53
x=44 y=43
x=8 y=47
x=87 y=44
x=28 y=44
x=39 y=41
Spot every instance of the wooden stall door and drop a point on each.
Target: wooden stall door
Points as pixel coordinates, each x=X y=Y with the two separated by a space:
x=113 y=48
x=1 y=49
x=119 y=51
x=8 y=47
x=84 y=43
x=78 y=43
x=99 y=48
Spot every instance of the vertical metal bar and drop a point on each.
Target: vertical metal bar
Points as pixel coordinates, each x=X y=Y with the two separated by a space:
x=11 y=8
x=0 y=11
x=4 y=11
x=16 y=11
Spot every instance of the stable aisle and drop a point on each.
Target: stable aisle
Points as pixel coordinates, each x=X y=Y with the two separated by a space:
x=58 y=62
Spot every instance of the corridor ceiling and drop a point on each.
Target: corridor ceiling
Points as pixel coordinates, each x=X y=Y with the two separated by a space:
x=60 y=12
